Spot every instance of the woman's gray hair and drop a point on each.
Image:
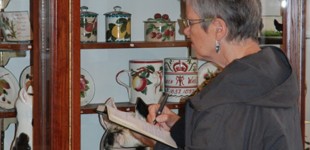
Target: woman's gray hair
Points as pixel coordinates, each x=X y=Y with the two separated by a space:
x=242 y=17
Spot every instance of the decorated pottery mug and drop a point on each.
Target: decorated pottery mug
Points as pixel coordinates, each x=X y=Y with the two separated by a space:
x=145 y=80
x=180 y=76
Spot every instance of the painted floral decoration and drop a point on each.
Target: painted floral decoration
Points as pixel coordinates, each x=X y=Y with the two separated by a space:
x=4 y=86
x=83 y=86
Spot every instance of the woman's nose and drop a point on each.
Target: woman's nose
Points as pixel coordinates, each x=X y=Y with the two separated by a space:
x=187 y=32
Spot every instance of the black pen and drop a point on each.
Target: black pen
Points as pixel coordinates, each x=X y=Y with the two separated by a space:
x=162 y=101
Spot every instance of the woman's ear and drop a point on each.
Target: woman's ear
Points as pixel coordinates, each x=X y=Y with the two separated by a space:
x=220 y=28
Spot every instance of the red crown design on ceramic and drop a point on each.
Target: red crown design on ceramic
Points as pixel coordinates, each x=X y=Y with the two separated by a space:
x=180 y=66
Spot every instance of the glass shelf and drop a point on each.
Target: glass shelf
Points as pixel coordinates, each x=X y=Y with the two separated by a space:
x=270 y=40
x=10 y=113
x=15 y=46
x=134 y=44
x=143 y=44
x=125 y=106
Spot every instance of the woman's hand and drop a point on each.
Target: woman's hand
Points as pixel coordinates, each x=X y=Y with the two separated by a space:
x=166 y=119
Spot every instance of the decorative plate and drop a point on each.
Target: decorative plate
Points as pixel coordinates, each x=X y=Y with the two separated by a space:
x=87 y=87
x=25 y=76
x=9 y=89
x=205 y=70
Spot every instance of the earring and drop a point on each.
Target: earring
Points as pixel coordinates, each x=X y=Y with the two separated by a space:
x=217 y=46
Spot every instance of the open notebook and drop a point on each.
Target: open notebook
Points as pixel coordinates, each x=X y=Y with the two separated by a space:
x=129 y=121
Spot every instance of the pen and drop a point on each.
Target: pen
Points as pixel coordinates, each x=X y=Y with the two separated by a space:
x=162 y=101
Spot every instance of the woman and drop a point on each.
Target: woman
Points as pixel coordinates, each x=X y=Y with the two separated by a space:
x=253 y=103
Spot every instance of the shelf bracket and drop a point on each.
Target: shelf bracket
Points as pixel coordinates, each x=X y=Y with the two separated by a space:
x=6 y=55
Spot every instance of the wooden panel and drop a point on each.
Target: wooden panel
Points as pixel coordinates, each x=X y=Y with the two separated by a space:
x=60 y=49
x=294 y=44
x=39 y=122
x=75 y=130
x=51 y=52
x=56 y=115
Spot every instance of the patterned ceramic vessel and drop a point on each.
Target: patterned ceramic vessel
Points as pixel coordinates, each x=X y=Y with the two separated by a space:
x=180 y=77
x=145 y=80
x=118 y=26
x=159 y=30
x=88 y=25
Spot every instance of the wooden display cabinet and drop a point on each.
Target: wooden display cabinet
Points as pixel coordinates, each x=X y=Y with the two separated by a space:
x=55 y=60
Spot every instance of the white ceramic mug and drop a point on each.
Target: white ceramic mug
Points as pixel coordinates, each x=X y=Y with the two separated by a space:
x=180 y=76
x=145 y=80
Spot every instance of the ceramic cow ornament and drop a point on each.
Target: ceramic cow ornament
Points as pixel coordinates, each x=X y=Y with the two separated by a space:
x=23 y=135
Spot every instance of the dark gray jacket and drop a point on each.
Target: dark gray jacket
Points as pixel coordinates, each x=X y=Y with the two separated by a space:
x=251 y=105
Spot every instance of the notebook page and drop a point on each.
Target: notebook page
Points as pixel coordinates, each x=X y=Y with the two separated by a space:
x=129 y=121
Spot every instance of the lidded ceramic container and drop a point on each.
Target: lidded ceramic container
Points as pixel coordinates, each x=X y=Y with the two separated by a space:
x=118 y=26
x=159 y=30
x=88 y=25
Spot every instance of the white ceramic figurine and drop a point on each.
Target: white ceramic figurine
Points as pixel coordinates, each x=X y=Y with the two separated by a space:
x=23 y=135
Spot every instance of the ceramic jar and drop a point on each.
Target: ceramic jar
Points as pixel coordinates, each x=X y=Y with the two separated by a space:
x=159 y=30
x=180 y=77
x=88 y=25
x=118 y=26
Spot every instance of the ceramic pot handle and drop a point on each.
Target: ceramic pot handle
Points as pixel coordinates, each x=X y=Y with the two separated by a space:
x=159 y=77
x=122 y=83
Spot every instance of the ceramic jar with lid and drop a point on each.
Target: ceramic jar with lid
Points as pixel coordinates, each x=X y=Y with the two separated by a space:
x=159 y=30
x=88 y=25
x=118 y=26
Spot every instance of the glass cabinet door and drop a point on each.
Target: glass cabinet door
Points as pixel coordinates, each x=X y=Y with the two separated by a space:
x=55 y=59
x=272 y=21
x=60 y=112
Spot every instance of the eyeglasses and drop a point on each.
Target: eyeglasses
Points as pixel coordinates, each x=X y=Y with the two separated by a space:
x=189 y=22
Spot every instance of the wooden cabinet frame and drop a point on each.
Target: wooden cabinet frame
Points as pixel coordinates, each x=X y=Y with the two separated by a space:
x=56 y=109
x=294 y=27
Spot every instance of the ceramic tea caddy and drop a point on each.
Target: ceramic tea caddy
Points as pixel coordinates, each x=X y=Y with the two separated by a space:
x=118 y=25
x=88 y=25
x=159 y=29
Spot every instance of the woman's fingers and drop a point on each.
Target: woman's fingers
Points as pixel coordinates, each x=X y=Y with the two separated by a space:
x=169 y=119
x=166 y=119
x=152 y=112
